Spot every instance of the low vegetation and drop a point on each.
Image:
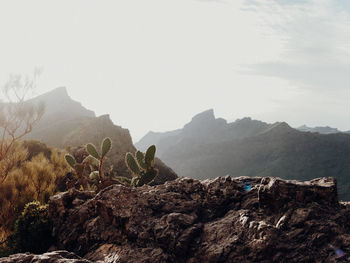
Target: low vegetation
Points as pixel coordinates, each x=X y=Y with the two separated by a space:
x=90 y=174
x=31 y=172
x=32 y=230
x=34 y=179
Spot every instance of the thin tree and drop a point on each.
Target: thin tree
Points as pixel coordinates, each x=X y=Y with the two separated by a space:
x=17 y=117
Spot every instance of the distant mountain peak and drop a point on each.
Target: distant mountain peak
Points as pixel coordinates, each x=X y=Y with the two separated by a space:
x=318 y=129
x=279 y=127
x=59 y=93
x=204 y=116
x=62 y=113
x=59 y=101
x=60 y=90
x=203 y=123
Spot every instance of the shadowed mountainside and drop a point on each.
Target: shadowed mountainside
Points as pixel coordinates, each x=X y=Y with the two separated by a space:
x=208 y=147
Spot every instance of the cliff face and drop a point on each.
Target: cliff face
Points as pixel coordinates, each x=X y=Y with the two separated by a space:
x=220 y=220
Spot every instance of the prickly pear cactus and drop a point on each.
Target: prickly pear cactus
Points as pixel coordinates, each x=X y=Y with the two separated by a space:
x=99 y=159
x=142 y=167
x=149 y=157
x=106 y=146
x=70 y=160
x=94 y=161
x=131 y=163
x=91 y=149
x=141 y=159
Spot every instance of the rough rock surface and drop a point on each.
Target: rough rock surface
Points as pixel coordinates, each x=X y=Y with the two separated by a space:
x=50 y=257
x=220 y=220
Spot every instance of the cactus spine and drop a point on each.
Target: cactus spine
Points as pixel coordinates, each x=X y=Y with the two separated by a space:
x=142 y=166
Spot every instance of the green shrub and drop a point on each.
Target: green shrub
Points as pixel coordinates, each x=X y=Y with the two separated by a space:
x=4 y=251
x=32 y=230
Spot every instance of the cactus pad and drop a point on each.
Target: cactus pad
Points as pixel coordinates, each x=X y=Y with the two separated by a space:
x=141 y=159
x=131 y=163
x=106 y=146
x=91 y=149
x=70 y=160
x=149 y=157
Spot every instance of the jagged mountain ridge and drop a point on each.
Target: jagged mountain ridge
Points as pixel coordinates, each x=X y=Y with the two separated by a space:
x=66 y=123
x=200 y=129
x=208 y=147
x=320 y=129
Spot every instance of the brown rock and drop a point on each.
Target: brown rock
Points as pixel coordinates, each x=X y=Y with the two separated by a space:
x=221 y=220
x=50 y=257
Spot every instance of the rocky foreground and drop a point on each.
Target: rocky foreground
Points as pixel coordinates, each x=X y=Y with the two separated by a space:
x=221 y=220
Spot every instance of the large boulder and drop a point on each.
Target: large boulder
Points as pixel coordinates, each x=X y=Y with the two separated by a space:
x=220 y=220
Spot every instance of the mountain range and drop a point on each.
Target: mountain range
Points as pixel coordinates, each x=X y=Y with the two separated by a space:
x=208 y=147
x=320 y=129
x=67 y=124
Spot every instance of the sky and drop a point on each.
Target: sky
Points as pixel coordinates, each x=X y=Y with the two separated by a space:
x=154 y=64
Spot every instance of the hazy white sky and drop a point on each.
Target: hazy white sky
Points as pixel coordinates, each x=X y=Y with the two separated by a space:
x=153 y=64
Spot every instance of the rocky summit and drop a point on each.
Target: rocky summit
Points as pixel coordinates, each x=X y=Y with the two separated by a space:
x=219 y=220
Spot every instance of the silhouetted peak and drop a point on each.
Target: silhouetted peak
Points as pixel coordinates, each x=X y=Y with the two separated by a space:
x=203 y=120
x=104 y=120
x=280 y=127
x=245 y=119
x=61 y=91
x=204 y=116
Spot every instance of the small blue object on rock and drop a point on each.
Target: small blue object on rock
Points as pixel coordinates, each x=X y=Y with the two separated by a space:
x=339 y=253
x=247 y=187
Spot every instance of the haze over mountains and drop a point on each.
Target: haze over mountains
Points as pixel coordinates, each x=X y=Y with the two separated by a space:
x=208 y=147
x=66 y=123
x=62 y=116
x=321 y=130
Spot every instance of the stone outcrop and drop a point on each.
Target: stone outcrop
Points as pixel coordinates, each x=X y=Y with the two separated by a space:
x=220 y=220
x=50 y=257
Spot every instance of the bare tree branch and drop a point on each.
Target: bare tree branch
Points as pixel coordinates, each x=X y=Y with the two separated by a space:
x=17 y=116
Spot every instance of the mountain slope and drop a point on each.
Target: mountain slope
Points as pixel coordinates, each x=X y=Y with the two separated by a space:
x=67 y=124
x=252 y=148
x=62 y=115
